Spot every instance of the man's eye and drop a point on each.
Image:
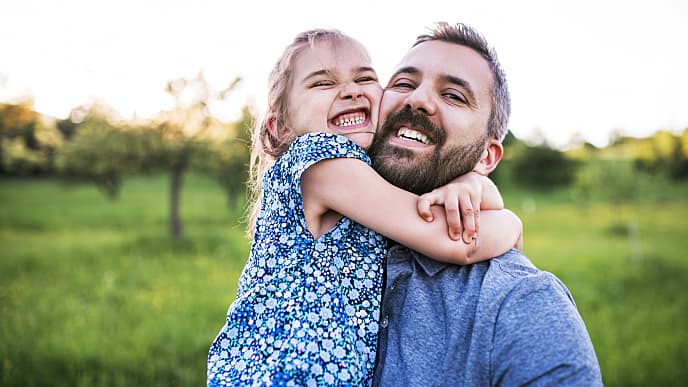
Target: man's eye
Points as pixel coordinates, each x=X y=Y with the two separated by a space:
x=403 y=85
x=455 y=97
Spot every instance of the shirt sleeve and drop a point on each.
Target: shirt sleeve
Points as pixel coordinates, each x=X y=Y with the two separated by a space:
x=540 y=338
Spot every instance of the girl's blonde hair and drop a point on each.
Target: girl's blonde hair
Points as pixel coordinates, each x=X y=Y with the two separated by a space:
x=266 y=146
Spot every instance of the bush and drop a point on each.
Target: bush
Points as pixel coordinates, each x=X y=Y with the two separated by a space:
x=541 y=167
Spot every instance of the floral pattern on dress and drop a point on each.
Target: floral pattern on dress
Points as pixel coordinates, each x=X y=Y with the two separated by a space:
x=307 y=309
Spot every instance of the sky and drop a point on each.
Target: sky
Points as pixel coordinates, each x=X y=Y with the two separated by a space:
x=576 y=69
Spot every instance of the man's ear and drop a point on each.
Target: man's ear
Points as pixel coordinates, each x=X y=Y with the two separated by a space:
x=491 y=156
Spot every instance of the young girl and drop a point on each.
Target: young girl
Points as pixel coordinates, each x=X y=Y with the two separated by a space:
x=308 y=300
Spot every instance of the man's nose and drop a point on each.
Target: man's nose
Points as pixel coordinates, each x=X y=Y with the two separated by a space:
x=421 y=100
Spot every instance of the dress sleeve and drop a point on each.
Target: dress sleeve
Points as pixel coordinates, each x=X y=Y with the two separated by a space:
x=540 y=338
x=310 y=148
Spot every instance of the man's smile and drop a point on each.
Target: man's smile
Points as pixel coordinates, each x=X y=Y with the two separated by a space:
x=408 y=129
x=411 y=134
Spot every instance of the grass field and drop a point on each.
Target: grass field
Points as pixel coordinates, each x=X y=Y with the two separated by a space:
x=95 y=293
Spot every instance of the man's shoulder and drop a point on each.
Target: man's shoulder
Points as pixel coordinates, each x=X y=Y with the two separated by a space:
x=536 y=325
x=514 y=264
x=514 y=272
x=494 y=280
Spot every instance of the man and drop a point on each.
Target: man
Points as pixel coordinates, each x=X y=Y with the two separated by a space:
x=498 y=322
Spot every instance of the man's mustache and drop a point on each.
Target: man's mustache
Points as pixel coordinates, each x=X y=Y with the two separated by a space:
x=416 y=120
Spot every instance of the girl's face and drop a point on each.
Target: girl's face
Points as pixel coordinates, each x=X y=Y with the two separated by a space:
x=334 y=89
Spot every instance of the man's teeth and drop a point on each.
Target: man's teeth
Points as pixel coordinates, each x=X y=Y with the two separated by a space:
x=350 y=119
x=413 y=135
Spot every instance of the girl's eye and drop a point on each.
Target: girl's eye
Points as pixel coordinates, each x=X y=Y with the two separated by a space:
x=366 y=79
x=322 y=83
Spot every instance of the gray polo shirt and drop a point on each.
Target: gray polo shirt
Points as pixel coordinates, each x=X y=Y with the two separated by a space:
x=498 y=322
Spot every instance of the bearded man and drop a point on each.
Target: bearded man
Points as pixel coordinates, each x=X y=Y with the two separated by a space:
x=498 y=322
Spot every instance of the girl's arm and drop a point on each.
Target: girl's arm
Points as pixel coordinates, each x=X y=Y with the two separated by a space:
x=353 y=189
x=462 y=198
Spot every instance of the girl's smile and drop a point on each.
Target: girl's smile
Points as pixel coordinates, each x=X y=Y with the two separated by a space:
x=335 y=89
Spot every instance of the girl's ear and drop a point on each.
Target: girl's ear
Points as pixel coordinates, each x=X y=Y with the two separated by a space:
x=491 y=156
x=270 y=120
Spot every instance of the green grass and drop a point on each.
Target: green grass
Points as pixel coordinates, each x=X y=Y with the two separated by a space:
x=94 y=292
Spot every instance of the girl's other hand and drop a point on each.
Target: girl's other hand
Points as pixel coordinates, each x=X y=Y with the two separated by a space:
x=461 y=199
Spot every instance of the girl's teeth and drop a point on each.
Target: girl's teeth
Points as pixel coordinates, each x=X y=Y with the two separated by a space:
x=350 y=120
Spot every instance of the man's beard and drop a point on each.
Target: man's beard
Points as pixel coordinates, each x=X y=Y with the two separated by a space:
x=421 y=173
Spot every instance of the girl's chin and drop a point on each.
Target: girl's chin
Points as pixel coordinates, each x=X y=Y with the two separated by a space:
x=362 y=139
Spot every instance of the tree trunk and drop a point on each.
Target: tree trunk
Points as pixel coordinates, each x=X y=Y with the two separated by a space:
x=176 y=180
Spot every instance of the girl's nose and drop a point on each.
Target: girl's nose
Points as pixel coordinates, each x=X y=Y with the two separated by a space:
x=351 y=91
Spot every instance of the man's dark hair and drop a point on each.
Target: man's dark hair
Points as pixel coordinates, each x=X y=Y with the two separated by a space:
x=464 y=35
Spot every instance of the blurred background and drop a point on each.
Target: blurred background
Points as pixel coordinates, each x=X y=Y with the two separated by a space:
x=124 y=141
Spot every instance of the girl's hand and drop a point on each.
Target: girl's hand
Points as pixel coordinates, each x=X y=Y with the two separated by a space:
x=461 y=199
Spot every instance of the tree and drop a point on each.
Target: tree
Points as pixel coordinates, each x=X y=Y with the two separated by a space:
x=227 y=161
x=103 y=152
x=614 y=181
x=611 y=180
x=665 y=153
x=103 y=148
x=187 y=132
x=680 y=157
x=541 y=167
x=27 y=143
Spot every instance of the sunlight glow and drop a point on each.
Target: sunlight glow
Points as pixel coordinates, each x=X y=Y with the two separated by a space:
x=579 y=69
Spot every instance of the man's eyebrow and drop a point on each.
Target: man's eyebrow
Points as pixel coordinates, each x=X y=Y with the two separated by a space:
x=363 y=69
x=464 y=84
x=406 y=70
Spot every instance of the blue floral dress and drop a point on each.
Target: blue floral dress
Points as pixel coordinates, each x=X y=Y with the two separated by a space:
x=307 y=309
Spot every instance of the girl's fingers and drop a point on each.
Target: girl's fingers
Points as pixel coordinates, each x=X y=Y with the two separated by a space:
x=453 y=214
x=476 y=202
x=424 y=203
x=468 y=218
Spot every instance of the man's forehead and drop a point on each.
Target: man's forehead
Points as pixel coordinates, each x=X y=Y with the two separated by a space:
x=445 y=58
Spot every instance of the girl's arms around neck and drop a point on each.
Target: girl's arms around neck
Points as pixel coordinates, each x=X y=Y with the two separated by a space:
x=353 y=189
x=462 y=199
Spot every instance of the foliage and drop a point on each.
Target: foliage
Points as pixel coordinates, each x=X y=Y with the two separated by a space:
x=19 y=120
x=540 y=167
x=67 y=127
x=227 y=161
x=104 y=149
x=614 y=181
x=18 y=159
x=27 y=143
x=103 y=153
x=188 y=132
x=669 y=155
x=662 y=153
